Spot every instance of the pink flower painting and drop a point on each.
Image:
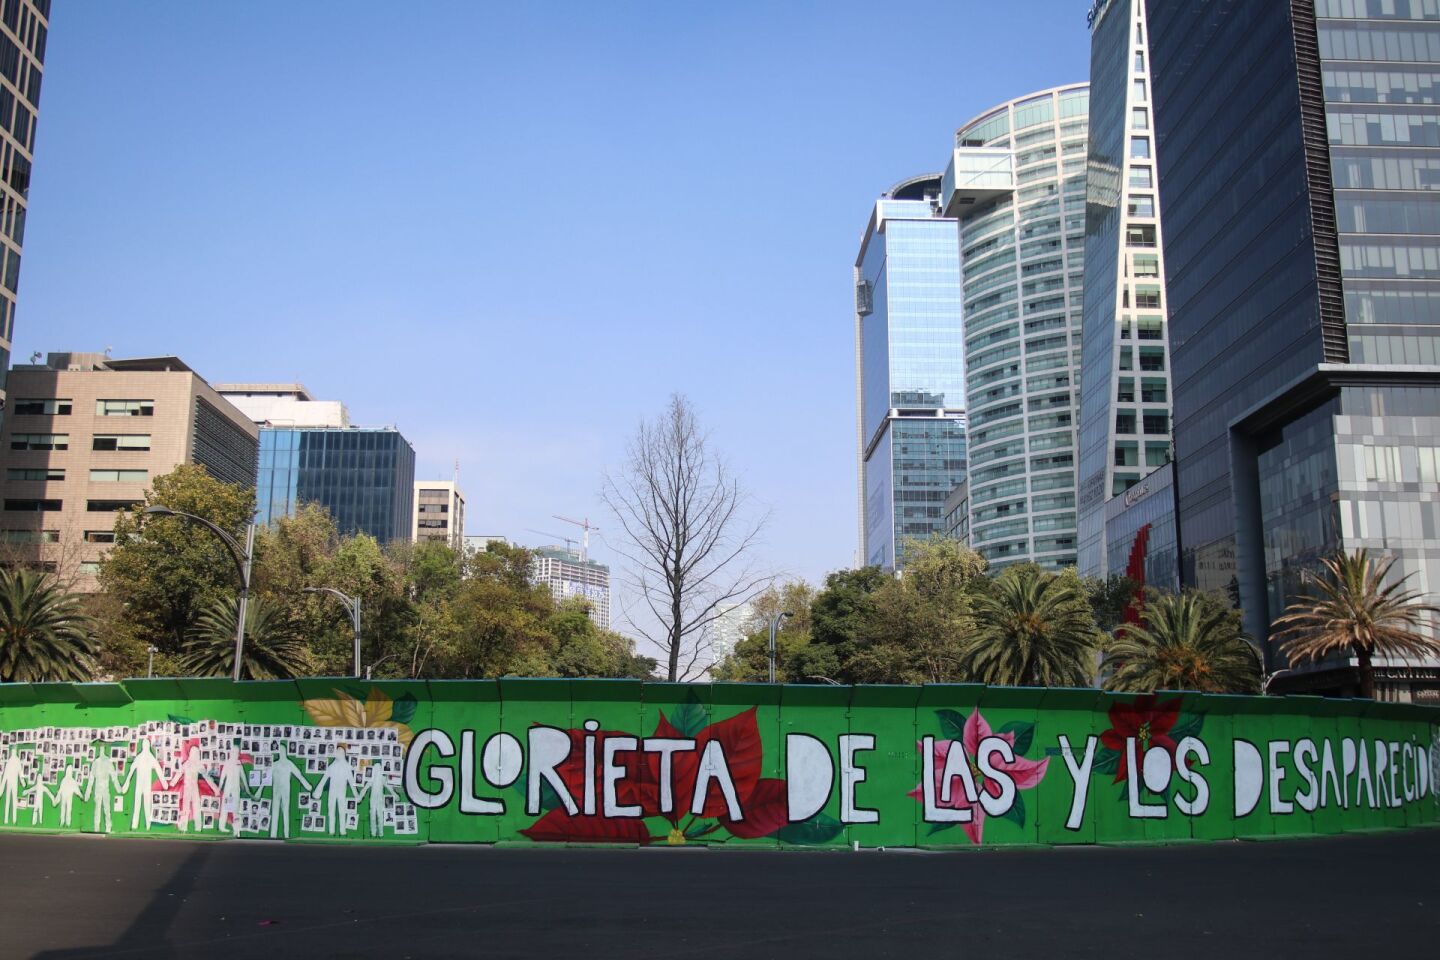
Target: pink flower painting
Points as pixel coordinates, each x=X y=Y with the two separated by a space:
x=1026 y=774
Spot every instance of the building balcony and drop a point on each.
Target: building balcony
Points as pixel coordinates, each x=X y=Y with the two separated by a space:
x=976 y=178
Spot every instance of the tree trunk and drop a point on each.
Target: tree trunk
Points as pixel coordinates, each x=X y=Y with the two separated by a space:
x=1367 y=672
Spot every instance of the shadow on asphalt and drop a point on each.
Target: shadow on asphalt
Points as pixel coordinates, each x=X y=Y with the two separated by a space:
x=1357 y=895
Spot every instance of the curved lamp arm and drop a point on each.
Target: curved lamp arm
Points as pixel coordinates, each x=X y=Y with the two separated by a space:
x=237 y=552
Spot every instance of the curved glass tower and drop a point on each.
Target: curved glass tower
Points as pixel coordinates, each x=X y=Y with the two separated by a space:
x=1016 y=185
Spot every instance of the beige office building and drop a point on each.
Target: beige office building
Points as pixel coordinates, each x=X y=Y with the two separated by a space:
x=24 y=32
x=439 y=513
x=83 y=437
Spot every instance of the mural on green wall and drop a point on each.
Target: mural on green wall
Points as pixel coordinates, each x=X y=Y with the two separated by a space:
x=625 y=762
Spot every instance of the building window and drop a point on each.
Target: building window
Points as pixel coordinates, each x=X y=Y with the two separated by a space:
x=34 y=473
x=121 y=441
x=1157 y=422
x=40 y=441
x=433 y=524
x=99 y=536
x=1148 y=265
x=1140 y=235
x=1382 y=465
x=1140 y=148
x=32 y=506
x=1152 y=390
x=1139 y=119
x=89 y=568
x=1150 y=328
x=1138 y=89
x=1157 y=454
x=32 y=407
x=29 y=536
x=1141 y=177
x=124 y=408
x=1125 y=390
x=1147 y=298
x=1141 y=206
x=1125 y=421
x=1139 y=60
x=1429 y=464
x=119 y=476
x=1127 y=455
x=1152 y=359
x=109 y=506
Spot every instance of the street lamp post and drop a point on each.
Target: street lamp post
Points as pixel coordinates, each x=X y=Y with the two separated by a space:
x=774 y=627
x=352 y=605
x=150 y=665
x=241 y=556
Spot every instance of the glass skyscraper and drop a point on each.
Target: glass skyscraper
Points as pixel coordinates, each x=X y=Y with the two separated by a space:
x=364 y=476
x=1016 y=185
x=1299 y=162
x=910 y=371
x=1125 y=379
x=24 y=32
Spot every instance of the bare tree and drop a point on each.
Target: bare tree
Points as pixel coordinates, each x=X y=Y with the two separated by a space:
x=688 y=539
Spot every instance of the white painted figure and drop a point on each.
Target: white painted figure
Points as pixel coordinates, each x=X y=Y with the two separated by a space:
x=192 y=772
x=232 y=782
x=281 y=772
x=66 y=793
x=338 y=785
x=10 y=786
x=144 y=770
x=38 y=794
x=103 y=779
x=376 y=791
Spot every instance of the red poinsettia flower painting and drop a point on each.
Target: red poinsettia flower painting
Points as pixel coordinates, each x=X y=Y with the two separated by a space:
x=1149 y=720
x=761 y=800
x=1027 y=774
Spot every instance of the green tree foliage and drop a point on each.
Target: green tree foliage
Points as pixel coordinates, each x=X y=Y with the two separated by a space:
x=44 y=633
x=166 y=574
x=1109 y=598
x=750 y=660
x=1033 y=628
x=271 y=649
x=1189 y=641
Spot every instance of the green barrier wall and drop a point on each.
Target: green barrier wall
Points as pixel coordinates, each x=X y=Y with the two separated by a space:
x=620 y=761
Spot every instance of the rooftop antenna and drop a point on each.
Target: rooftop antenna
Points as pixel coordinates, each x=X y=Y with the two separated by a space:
x=108 y=351
x=35 y=357
x=457 y=471
x=585 y=525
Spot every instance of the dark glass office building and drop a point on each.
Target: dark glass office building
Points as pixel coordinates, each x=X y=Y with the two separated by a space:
x=364 y=476
x=1299 y=163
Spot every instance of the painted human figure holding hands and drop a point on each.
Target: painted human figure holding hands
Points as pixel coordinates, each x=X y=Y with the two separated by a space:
x=66 y=793
x=103 y=779
x=376 y=790
x=338 y=785
x=192 y=772
x=10 y=785
x=232 y=782
x=145 y=771
x=281 y=773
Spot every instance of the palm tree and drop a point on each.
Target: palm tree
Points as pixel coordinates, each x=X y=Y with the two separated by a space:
x=1033 y=627
x=1352 y=611
x=272 y=651
x=44 y=635
x=1185 y=642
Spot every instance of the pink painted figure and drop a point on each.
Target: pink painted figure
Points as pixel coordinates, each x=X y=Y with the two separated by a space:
x=103 y=779
x=190 y=775
x=281 y=773
x=338 y=785
x=144 y=770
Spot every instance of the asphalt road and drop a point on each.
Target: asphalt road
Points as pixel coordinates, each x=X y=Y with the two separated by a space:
x=1370 y=896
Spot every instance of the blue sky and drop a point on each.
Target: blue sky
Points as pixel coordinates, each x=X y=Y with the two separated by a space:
x=513 y=230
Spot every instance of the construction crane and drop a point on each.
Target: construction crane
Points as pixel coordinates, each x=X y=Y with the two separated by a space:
x=585 y=525
x=557 y=537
